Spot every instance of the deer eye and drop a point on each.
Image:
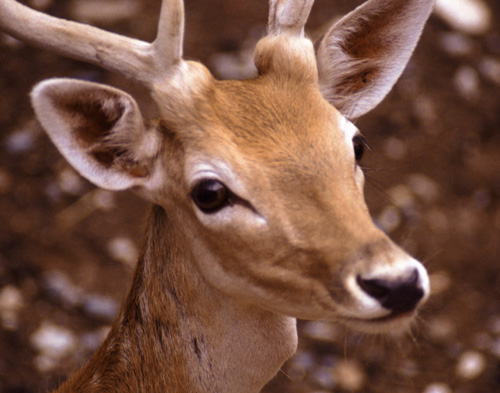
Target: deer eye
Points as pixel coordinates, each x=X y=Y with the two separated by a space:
x=210 y=195
x=360 y=146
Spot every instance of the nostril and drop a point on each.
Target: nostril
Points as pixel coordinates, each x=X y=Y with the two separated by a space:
x=377 y=289
x=398 y=295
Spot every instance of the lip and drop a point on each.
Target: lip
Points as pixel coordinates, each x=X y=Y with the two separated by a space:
x=392 y=323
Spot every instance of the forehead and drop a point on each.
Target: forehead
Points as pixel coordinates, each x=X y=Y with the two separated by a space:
x=266 y=114
x=286 y=134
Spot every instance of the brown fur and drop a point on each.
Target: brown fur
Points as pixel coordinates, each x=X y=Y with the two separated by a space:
x=215 y=295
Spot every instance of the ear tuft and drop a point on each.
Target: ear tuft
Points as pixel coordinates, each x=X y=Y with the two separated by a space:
x=99 y=130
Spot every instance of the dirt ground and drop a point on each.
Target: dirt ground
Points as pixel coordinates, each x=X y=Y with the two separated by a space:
x=67 y=250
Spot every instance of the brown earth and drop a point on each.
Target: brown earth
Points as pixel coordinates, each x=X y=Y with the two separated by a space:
x=434 y=184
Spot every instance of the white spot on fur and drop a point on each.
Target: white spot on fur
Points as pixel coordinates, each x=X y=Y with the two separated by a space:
x=348 y=128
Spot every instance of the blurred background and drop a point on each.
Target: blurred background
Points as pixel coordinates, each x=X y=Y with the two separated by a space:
x=67 y=250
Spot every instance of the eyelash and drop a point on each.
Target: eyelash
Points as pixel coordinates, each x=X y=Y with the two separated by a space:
x=360 y=146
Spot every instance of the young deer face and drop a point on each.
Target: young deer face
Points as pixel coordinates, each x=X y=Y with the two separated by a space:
x=261 y=175
x=277 y=212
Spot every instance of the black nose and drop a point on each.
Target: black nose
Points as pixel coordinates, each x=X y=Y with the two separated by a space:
x=400 y=295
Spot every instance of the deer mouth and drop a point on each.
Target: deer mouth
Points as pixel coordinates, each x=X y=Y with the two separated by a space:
x=395 y=322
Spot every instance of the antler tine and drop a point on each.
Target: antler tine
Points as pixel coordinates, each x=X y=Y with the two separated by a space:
x=288 y=16
x=138 y=60
x=169 y=40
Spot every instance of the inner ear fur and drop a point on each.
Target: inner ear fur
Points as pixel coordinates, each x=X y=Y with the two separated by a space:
x=99 y=130
x=362 y=55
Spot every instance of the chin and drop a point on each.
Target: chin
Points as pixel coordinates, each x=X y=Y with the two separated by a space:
x=392 y=324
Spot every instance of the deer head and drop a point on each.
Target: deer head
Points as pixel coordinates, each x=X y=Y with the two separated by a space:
x=260 y=175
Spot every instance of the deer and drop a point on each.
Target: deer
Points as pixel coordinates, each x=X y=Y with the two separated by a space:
x=258 y=214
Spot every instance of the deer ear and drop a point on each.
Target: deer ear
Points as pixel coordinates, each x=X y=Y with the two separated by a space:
x=99 y=130
x=362 y=55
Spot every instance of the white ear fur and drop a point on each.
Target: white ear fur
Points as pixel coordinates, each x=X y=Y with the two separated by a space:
x=99 y=130
x=362 y=55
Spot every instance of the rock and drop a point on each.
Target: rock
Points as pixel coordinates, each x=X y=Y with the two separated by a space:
x=389 y=219
x=21 y=141
x=349 y=375
x=490 y=68
x=322 y=331
x=323 y=376
x=467 y=82
x=456 y=44
x=437 y=388
x=11 y=303
x=440 y=282
x=123 y=250
x=424 y=187
x=470 y=365
x=61 y=288
x=70 y=182
x=441 y=329
x=467 y=16
x=395 y=149
x=100 y=306
x=53 y=341
x=299 y=366
x=402 y=196
x=103 y=200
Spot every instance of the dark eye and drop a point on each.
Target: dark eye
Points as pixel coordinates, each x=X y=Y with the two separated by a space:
x=360 y=146
x=210 y=195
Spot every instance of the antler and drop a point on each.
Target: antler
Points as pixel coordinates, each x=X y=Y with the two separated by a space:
x=288 y=16
x=144 y=62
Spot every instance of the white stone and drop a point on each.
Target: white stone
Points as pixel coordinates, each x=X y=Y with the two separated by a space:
x=123 y=250
x=467 y=16
x=441 y=329
x=319 y=330
x=103 y=200
x=437 y=387
x=395 y=149
x=467 y=82
x=21 y=141
x=45 y=364
x=456 y=44
x=440 y=282
x=62 y=288
x=53 y=341
x=11 y=303
x=349 y=375
x=402 y=196
x=389 y=219
x=490 y=67
x=470 y=365
x=100 y=306
x=70 y=181
x=323 y=376
x=424 y=186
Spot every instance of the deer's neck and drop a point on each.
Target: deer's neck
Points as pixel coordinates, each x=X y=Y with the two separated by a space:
x=178 y=334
